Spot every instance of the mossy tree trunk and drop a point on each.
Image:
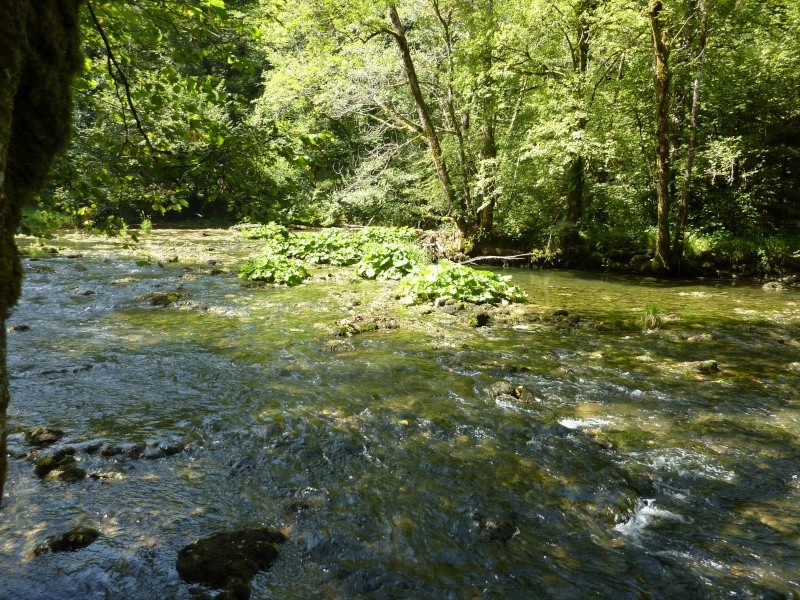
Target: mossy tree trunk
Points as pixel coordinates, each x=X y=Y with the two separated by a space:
x=39 y=57
x=663 y=80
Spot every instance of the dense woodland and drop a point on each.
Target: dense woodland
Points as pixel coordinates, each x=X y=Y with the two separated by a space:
x=646 y=136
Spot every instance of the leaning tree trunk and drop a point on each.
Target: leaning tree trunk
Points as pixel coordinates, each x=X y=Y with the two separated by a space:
x=398 y=32
x=39 y=57
x=662 y=80
x=683 y=203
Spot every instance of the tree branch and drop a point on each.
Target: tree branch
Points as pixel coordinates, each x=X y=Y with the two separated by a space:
x=112 y=59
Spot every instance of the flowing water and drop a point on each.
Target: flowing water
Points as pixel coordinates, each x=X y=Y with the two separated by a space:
x=621 y=471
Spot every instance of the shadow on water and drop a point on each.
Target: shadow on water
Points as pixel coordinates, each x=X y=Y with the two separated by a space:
x=397 y=467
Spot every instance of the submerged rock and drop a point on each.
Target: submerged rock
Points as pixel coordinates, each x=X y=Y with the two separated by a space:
x=74 y=539
x=229 y=559
x=339 y=345
x=18 y=328
x=163 y=299
x=496 y=530
x=68 y=370
x=500 y=389
x=364 y=323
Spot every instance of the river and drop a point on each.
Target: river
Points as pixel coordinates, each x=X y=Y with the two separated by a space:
x=623 y=469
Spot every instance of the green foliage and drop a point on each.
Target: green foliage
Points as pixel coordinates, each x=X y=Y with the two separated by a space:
x=292 y=112
x=274 y=268
x=447 y=279
x=326 y=247
x=340 y=247
x=270 y=231
x=389 y=260
x=146 y=225
x=282 y=258
x=41 y=223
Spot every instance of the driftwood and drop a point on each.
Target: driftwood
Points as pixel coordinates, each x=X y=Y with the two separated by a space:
x=479 y=258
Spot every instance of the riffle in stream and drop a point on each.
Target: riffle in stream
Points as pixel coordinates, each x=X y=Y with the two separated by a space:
x=566 y=456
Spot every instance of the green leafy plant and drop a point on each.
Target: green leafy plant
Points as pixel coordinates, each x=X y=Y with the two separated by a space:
x=274 y=268
x=270 y=231
x=326 y=247
x=146 y=225
x=447 y=279
x=653 y=317
x=389 y=261
x=341 y=247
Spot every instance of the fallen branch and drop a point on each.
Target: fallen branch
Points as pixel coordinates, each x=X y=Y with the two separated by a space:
x=515 y=257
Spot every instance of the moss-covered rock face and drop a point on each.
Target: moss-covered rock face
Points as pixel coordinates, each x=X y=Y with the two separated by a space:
x=224 y=559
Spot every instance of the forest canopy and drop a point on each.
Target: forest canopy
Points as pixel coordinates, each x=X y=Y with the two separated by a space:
x=660 y=135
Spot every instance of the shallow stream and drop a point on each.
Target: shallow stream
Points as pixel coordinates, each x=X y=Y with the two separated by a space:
x=620 y=470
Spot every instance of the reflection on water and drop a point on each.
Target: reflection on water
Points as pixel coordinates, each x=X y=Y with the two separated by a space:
x=623 y=472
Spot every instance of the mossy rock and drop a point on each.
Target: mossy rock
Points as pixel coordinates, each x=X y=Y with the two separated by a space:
x=364 y=323
x=72 y=540
x=339 y=345
x=43 y=436
x=163 y=299
x=706 y=367
x=63 y=459
x=71 y=473
x=480 y=319
x=502 y=389
x=222 y=559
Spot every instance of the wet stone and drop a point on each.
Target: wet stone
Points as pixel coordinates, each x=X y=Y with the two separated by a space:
x=226 y=558
x=72 y=540
x=43 y=436
x=18 y=328
x=63 y=460
x=163 y=299
x=68 y=370
x=339 y=345
x=706 y=367
x=71 y=473
x=480 y=319
x=502 y=389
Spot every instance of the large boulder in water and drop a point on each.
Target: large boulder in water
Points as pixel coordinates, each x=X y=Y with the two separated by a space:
x=72 y=540
x=225 y=559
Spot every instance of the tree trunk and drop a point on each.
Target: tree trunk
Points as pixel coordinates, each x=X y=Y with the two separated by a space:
x=39 y=57
x=683 y=203
x=662 y=80
x=426 y=123
x=576 y=168
x=489 y=155
x=488 y=138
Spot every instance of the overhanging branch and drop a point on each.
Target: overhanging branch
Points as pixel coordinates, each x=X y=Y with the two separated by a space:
x=120 y=76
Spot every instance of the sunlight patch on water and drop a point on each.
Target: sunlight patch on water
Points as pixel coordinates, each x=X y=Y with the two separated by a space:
x=572 y=423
